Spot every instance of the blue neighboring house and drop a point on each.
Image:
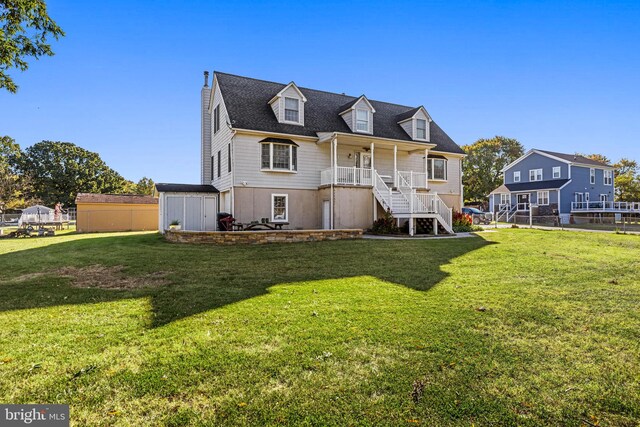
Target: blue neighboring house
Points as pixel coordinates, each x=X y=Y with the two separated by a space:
x=553 y=183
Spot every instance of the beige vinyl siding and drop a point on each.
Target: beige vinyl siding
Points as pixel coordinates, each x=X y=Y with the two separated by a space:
x=348 y=118
x=219 y=142
x=275 y=106
x=312 y=158
x=453 y=183
x=408 y=127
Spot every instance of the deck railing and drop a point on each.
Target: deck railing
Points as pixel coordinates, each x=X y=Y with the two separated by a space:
x=347 y=176
x=605 y=206
x=414 y=179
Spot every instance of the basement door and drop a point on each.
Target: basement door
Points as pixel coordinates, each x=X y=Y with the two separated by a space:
x=326 y=214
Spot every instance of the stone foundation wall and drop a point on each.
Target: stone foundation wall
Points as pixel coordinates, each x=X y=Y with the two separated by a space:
x=259 y=237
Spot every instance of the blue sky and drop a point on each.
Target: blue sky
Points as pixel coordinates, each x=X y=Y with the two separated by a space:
x=126 y=80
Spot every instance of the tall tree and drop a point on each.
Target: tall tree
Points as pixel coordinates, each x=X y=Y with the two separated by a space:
x=61 y=170
x=483 y=165
x=627 y=180
x=12 y=186
x=24 y=29
x=597 y=157
x=145 y=186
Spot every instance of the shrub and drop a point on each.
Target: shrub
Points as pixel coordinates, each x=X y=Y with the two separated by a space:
x=462 y=222
x=385 y=224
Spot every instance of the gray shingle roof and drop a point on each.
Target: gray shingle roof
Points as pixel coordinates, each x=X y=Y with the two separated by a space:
x=575 y=158
x=247 y=100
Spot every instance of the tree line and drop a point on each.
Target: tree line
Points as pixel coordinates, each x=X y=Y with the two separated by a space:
x=52 y=171
x=482 y=169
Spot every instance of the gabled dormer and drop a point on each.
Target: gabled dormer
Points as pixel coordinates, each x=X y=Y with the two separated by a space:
x=358 y=114
x=288 y=105
x=416 y=124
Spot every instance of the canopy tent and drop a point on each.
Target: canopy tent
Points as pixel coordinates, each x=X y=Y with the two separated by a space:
x=36 y=214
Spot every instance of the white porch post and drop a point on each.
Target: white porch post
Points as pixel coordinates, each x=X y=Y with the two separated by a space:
x=372 y=161
x=395 y=166
x=426 y=168
x=373 y=182
x=335 y=160
x=435 y=226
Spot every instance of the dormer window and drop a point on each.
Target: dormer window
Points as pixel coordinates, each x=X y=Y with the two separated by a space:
x=288 y=105
x=362 y=120
x=421 y=129
x=292 y=110
x=415 y=123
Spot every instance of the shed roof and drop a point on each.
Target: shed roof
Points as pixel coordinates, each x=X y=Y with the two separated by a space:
x=134 y=199
x=185 y=188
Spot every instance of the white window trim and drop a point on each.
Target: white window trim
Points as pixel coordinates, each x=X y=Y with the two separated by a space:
x=534 y=173
x=426 y=129
x=592 y=176
x=446 y=170
x=607 y=176
x=368 y=120
x=586 y=197
x=504 y=196
x=270 y=168
x=559 y=170
x=284 y=111
x=538 y=197
x=516 y=174
x=286 y=207
x=216 y=119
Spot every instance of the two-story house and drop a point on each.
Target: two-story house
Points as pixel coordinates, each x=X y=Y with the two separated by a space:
x=555 y=183
x=316 y=159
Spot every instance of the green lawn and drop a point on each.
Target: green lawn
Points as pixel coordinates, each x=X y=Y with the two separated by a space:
x=516 y=327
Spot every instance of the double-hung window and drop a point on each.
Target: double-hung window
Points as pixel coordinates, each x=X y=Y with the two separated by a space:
x=279 y=157
x=535 y=175
x=505 y=199
x=608 y=177
x=437 y=169
x=592 y=176
x=556 y=172
x=362 y=120
x=516 y=176
x=421 y=129
x=291 y=110
x=216 y=119
x=279 y=207
x=543 y=198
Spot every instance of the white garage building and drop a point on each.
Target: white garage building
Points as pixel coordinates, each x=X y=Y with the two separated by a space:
x=194 y=206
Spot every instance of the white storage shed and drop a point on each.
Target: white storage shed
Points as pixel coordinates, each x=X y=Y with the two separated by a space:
x=194 y=206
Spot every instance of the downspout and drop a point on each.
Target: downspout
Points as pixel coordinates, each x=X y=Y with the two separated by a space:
x=233 y=174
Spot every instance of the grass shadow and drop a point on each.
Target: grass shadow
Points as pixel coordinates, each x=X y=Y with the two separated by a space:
x=202 y=278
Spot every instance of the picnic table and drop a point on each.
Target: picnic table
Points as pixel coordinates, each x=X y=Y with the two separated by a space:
x=260 y=226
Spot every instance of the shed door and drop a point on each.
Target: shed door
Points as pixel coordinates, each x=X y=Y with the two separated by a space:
x=193 y=213
x=326 y=214
x=174 y=210
x=210 y=213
